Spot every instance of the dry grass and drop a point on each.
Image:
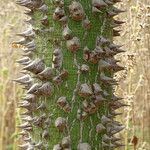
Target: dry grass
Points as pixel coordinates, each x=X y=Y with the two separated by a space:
x=10 y=23
x=135 y=80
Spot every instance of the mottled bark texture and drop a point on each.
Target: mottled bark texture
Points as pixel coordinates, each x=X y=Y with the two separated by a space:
x=69 y=63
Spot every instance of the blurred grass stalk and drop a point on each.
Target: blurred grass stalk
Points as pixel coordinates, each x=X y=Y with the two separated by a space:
x=11 y=21
x=135 y=86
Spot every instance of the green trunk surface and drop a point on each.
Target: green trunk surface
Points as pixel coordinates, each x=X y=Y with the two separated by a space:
x=79 y=131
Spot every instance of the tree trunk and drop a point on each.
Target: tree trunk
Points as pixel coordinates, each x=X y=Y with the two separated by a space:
x=70 y=53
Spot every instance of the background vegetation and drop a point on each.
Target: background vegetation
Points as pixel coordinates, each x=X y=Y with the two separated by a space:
x=134 y=81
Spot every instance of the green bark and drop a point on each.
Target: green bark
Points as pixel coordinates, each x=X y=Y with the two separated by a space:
x=79 y=130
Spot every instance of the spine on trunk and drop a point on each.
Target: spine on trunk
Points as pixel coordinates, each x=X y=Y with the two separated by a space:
x=68 y=67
